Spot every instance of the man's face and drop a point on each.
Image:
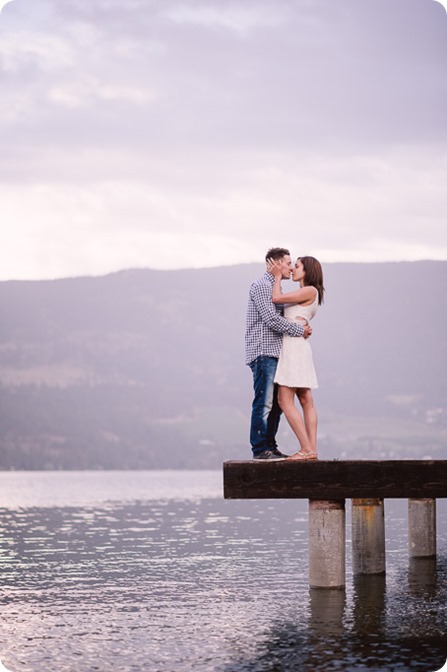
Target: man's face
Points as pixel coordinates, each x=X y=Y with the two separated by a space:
x=286 y=266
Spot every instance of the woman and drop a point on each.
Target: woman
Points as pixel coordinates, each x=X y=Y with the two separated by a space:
x=295 y=374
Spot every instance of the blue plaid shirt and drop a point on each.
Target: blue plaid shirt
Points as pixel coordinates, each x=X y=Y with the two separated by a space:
x=265 y=324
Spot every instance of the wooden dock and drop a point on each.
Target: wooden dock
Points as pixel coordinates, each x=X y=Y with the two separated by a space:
x=327 y=485
x=335 y=479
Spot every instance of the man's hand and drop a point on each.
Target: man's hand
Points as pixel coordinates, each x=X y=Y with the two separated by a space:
x=307 y=331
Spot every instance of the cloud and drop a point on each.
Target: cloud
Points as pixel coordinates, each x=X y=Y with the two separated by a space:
x=125 y=124
x=317 y=74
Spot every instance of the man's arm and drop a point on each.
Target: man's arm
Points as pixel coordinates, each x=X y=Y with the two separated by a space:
x=262 y=298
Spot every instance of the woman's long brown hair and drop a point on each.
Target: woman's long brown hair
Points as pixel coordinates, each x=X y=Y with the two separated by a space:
x=314 y=275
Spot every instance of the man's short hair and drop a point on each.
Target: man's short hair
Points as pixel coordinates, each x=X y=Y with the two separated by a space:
x=276 y=253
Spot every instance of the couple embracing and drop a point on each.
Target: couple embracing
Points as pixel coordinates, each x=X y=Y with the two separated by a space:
x=279 y=354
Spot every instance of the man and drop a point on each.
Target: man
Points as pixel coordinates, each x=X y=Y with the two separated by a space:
x=265 y=327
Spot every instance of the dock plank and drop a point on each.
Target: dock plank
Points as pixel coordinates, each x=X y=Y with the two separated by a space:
x=335 y=479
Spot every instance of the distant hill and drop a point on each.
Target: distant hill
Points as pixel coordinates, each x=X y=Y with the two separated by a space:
x=143 y=368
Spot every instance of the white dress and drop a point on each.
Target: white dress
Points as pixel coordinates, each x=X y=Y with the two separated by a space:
x=295 y=365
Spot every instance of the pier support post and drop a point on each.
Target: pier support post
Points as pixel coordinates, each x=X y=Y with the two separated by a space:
x=327 y=540
x=422 y=528
x=368 y=536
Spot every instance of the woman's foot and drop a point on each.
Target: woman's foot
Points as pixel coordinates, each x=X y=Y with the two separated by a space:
x=303 y=455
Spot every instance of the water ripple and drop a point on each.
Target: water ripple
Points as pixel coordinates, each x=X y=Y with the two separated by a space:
x=204 y=584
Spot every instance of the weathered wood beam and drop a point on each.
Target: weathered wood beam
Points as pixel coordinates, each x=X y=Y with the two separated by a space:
x=335 y=479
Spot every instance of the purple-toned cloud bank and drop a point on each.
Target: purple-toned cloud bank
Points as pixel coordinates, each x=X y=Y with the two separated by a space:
x=174 y=134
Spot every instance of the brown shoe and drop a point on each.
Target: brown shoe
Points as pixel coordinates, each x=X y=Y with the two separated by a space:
x=301 y=455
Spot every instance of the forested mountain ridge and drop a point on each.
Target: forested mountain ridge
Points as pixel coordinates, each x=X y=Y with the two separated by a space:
x=143 y=368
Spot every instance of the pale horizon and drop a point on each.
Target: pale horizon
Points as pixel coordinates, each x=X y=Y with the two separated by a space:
x=258 y=262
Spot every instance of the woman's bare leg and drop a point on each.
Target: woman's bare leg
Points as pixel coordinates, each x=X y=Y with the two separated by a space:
x=306 y=400
x=286 y=400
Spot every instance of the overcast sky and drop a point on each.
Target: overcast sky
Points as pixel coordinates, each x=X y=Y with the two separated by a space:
x=171 y=134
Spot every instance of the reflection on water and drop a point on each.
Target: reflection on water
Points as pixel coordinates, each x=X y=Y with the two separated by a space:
x=367 y=631
x=422 y=577
x=200 y=583
x=327 y=608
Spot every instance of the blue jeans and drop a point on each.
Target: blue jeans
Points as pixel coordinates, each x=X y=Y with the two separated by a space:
x=265 y=412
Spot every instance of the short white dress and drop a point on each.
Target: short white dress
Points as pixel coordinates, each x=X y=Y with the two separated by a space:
x=295 y=365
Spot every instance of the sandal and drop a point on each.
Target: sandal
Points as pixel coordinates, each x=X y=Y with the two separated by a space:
x=301 y=455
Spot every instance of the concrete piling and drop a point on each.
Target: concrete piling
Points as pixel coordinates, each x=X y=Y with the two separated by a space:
x=327 y=541
x=368 y=536
x=422 y=528
x=326 y=484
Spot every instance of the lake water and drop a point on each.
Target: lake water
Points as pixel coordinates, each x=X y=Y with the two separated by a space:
x=154 y=571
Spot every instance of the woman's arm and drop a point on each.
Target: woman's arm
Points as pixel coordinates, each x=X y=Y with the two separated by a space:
x=297 y=296
x=276 y=291
x=274 y=268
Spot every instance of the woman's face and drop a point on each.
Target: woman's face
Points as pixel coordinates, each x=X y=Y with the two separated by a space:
x=298 y=272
